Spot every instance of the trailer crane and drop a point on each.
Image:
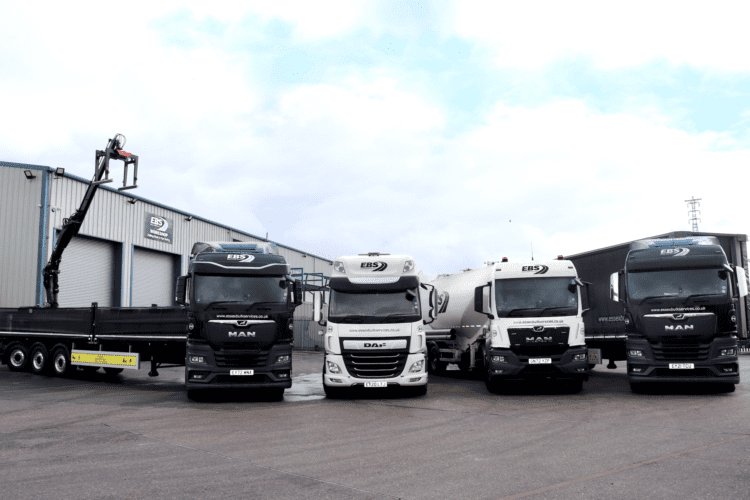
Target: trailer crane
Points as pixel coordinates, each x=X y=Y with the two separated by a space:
x=71 y=226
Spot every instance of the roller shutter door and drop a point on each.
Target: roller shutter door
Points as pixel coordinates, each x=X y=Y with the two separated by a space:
x=153 y=278
x=87 y=273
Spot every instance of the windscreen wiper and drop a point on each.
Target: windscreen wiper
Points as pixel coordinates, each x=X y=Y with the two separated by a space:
x=652 y=297
x=557 y=307
x=519 y=309
x=397 y=316
x=696 y=295
x=215 y=302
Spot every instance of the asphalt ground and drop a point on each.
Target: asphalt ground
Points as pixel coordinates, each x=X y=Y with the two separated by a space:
x=132 y=436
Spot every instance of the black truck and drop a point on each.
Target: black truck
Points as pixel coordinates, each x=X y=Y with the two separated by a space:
x=233 y=327
x=679 y=308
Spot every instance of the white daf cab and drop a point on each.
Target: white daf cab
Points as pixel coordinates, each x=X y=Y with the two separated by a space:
x=374 y=333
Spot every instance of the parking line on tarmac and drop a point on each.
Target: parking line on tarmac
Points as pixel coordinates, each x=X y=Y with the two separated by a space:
x=246 y=462
x=621 y=469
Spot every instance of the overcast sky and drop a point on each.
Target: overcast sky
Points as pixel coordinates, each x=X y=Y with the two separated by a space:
x=455 y=132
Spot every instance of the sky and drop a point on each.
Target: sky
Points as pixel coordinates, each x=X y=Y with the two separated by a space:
x=455 y=132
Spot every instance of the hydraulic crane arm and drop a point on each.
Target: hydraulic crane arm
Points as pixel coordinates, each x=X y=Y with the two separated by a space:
x=72 y=225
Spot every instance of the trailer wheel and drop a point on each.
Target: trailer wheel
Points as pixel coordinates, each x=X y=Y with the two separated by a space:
x=38 y=359
x=113 y=371
x=60 y=360
x=17 y=358
x=434 y=364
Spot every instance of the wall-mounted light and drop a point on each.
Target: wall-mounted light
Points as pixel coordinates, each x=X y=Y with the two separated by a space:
x=132 y=201
x=29 y=174
x=188 y=218
x=59 y=172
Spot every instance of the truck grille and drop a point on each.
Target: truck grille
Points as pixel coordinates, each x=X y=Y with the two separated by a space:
x=550 y=341
x=681 y=351
x=241 y=358
x=374 y=363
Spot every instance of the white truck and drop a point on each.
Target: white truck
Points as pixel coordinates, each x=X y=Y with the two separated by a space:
x=374 y=334
x=512 y=320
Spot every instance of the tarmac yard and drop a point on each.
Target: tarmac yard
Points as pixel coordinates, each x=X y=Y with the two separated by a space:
x=132 y=436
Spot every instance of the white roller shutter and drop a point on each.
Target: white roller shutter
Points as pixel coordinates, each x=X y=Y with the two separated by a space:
x=153 y=278
x=87 y=273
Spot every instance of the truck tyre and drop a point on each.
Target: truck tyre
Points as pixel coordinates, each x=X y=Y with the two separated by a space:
x=419 y=390
x=575 y=386
x=38 y=359
x=60 y=360
x=113 y=371
x=17 y=358
x=275 y=394
x=334 y=392
x=434 y=365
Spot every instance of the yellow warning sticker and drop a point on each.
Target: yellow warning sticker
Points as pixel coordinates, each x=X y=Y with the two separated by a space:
x=106 y=359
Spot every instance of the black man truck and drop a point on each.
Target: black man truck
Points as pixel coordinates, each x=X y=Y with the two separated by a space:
x=233 y=328
x=681 y=298
x=606 y=328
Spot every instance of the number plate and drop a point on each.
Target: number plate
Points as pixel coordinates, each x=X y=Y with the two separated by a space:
x=376 y=384
x=681 y=366
x=540 y=361
x=241 y=372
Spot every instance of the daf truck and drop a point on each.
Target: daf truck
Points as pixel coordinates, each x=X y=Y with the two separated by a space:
x=511 y=321
x=374 y=332
x=681 y=303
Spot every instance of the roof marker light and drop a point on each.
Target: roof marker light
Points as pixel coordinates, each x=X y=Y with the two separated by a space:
x=505 y=259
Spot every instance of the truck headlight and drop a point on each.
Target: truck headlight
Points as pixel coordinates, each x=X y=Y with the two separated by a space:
x=197 y=359
x=580 y=357
x=333 y=367
x=417 y=367
x=338 y=266
x=728 y=352
x=283 y=359
x=498 y=359
x=408 y=266
x=635 y=353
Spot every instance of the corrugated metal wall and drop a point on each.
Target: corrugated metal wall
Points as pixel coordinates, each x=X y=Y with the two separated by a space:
x=112 y=217
x=20 y=204
x=306 y=330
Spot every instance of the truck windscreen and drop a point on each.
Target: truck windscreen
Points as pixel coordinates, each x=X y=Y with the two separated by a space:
x=400 y=306
x=536 y=297
x=239 y=289
x=678 y=283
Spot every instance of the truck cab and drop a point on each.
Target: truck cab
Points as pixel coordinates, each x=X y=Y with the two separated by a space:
x=240 y=301
x=681 y=298
x=374 y=334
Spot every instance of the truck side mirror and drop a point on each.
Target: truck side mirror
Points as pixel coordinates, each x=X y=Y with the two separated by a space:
x=741 y=281
x=614 y=287
x=297 y=288
x=179 y=293
x=479 y=303
x=317 y=308
x=433 y=304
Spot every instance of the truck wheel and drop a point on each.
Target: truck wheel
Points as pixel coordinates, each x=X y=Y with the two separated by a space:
x=17 y=358
x=113 y=371
x=420 y=390
x=726 y=387
x=275 y=394
x=38 y=357
x=60 y=360
x=334 y=392
x=434 y=365
x=575 y=386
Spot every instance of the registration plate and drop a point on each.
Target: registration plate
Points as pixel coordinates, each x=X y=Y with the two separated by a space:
x=376 y=384
x=681 y=366
x=540 y=361
x=241 y=372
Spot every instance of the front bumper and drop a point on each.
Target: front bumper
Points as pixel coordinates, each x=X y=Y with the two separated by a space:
x=270 y=374
x=562 y=366
x=715 y=368
x=406 y=379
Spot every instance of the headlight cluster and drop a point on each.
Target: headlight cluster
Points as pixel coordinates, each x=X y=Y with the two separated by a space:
x=417 y=367
x=728 y=352
x=197 y=360
x=333 y=367
x=635 y=353
x=580 y=357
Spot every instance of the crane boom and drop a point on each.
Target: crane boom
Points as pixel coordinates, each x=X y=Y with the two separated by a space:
x=72 y=225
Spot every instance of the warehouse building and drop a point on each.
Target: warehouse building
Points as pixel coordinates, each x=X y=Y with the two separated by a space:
x=128 y=252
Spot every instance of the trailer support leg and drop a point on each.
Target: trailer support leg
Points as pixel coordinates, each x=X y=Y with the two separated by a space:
x=153 y=372
x=611 y=365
